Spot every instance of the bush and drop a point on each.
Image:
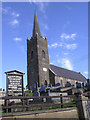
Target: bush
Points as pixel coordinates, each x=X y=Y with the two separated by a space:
x=29 y=93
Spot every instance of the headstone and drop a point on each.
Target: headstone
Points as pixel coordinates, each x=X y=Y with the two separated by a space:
x=58 y=84
x=42 y=89
x=49 y=85
x=35 y=93
x=68 y=84
x=78 y=85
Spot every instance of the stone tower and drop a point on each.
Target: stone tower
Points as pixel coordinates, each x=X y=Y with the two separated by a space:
x=37 y=58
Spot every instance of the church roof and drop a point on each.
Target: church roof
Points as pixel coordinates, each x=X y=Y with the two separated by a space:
x=36 y=29
x=62 y=72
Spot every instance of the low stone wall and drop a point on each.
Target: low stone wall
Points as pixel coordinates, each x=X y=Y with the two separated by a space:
x=57 y=100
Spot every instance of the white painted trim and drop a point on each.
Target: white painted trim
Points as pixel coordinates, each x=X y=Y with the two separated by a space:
x=52 y=71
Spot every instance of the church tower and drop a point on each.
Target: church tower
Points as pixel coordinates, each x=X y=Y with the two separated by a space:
x=37 y=58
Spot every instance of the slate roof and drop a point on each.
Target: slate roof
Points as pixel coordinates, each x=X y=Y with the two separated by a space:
x=59 y=71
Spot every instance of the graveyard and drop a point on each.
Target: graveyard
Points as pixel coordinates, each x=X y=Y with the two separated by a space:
x=46 y=101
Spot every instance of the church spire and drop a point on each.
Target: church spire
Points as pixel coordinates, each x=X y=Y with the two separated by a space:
x=36 y=29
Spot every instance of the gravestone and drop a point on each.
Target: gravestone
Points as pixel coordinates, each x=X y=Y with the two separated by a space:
x=49 y=85
x=35 y=93
x=78 y=85
x=68 y=84
x=58 y=84
x=43 y=92
x=42 y=89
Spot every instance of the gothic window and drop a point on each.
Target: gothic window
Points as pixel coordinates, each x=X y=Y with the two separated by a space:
x=43 y=53
x=32 y=55
x=61 y=83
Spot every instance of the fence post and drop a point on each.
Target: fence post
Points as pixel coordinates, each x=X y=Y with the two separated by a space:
x=61 y=100
x=79 y=106
x=23 y=104
x=6 y=104
x=27 y=102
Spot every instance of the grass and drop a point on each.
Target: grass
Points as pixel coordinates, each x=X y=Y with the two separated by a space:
x=72 y=105
x=55 y=107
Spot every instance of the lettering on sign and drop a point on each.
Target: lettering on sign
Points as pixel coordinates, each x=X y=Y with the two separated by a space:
x=14 y=85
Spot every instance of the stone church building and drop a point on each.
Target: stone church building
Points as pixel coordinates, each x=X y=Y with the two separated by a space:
x=39 y=71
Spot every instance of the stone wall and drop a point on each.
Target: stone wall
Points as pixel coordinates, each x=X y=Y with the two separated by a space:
x=58 y=79
x=37 y=65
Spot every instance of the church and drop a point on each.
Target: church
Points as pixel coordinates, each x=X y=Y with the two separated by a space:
x=39 y=71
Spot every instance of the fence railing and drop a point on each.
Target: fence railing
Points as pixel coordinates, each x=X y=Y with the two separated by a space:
x=32 y=103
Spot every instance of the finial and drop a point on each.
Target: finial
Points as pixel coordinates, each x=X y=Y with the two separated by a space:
x=27 y=38
x=45 y=38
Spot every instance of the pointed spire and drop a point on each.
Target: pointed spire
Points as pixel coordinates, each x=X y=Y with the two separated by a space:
x=36 y=29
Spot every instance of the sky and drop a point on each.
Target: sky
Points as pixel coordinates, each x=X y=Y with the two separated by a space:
x=65 y=24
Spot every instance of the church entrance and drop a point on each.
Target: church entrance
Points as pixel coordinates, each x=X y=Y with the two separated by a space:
x=45 y=82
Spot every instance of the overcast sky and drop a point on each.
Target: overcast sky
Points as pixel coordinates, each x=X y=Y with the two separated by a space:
x=64 y=24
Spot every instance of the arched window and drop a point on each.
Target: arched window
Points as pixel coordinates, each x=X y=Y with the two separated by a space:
x=43 y=54
x=32 y=55
x=61 y=83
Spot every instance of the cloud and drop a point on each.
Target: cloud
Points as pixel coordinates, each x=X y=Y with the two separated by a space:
x=8 y=11
x=86 y=72
x=42 y=7
x=67 y=36
x=17 y=39
x=5 y=10
x=11 y=15
x=55 y=45
x=71 y=46
x=64 y=45
x=14 y=22
x=73 y=36
x=48 y=45
x=15 y=14
x=51 y=63
x=66 y=64
x=65 y=53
